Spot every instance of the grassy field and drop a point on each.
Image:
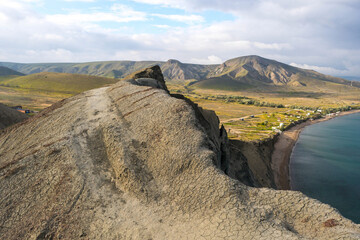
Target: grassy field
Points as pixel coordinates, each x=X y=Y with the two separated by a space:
x=57 y=82
x=38 y=91
x=29 y=99
x=273 y=110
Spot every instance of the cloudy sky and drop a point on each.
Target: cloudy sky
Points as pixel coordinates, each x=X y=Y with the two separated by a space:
x=319 y=34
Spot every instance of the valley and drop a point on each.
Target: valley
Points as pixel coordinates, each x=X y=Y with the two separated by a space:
x=254 y=97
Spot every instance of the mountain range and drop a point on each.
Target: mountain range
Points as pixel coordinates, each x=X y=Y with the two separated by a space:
x=238 y=73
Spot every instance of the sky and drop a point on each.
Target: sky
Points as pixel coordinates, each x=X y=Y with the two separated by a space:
x=323 y=35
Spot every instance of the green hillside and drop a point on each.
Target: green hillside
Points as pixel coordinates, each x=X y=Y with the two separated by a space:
x=4 y=71
x=57 y=82
x=114 y=69
x=224 y=83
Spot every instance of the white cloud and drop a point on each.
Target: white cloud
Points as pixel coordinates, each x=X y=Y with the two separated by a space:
x=163 y=26
x=209 y=60
x=272 y=46
x=188 y=19
x=120 y=13
x=348 y=71
x=76 y=18
x=169 y=3
x=328 y=70
x=309 y=33
x=79 y=0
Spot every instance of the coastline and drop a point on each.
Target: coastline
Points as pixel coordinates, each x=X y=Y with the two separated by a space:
x=283 y=148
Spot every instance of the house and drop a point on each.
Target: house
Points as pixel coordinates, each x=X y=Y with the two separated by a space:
x=17 y=107
x=26 y=111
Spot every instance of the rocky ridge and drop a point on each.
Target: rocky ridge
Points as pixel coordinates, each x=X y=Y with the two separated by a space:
x=132 y=162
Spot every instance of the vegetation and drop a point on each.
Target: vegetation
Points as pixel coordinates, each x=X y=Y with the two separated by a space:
x=254 y=97
x=242 y=100
x=38 y=91
x=57 y=82
x=255 y=116
x=4 y=71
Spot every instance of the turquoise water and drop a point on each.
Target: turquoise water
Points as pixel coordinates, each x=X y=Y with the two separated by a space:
x=325 y=164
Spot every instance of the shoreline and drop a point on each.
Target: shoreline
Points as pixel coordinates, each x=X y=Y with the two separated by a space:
x=283 y=147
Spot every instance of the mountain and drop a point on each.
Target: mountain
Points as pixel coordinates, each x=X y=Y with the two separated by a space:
x=58 y=82
x=234 y=74
x=255 y=71
x=113 y=69
x=9 y=116
x=4 y=71
x=131 y=161
x=175 y=70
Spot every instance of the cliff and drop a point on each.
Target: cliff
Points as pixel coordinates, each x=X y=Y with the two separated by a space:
x=130 y=161
x=251 y=162
x=257 y=163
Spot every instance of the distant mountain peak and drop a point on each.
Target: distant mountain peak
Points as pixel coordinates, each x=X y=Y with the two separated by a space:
x=173 y=61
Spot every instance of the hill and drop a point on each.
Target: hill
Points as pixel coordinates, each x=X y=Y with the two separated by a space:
x=4 y=71
x=130 y=161
x=57 y=82
x=9 y=116
x=249 y=72
x=114 y=69
x=175 y=70
x=255 y=71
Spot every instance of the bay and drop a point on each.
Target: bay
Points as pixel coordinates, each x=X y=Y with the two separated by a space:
x=325 y=164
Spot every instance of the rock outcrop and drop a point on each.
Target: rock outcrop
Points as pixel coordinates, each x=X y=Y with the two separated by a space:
x=151 y=77
x=9 y=116
x=133 y=162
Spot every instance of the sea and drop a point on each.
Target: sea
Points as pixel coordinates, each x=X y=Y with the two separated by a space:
x=325 y=164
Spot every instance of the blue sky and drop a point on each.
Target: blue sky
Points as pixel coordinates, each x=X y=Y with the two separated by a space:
x=322 y=35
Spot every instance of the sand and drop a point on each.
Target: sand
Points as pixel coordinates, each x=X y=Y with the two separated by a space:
x=284 y=147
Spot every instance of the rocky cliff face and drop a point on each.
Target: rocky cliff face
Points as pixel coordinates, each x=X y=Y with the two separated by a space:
x=250 y=162
x=133 y=162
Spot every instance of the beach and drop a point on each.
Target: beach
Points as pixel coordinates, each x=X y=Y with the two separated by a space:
x=284 y=146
